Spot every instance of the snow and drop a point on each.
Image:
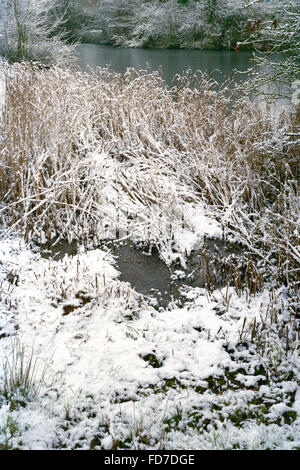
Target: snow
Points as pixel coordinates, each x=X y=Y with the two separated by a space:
x=96 y=374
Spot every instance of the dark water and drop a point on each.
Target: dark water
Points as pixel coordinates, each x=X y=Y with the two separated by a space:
x=208 y=267
x=220 y=64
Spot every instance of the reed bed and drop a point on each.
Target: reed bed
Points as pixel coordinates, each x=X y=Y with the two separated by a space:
x=86 y=156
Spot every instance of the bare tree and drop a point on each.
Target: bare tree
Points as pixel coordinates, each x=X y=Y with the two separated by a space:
x=29 y=32
x=275 y=38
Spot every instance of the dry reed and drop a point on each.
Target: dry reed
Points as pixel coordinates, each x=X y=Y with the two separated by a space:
x=87 y=156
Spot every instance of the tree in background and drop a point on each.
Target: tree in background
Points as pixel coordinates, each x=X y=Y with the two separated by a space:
x=30 y=32
x=189 y=24
x=74 y=15
x=119 y=17
x=275 y=38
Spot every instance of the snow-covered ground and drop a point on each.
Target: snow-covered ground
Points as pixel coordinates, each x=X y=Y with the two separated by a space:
x=122 y=374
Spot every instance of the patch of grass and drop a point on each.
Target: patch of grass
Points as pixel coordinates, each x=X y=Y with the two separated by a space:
x=22 y=378
x=152 y=360
x=10 y=429
x=289 y=416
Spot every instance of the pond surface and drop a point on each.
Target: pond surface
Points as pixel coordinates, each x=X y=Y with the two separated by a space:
x=220 y=64
x=208 y=267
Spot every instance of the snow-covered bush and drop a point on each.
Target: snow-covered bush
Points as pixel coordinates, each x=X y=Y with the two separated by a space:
x=28 y=32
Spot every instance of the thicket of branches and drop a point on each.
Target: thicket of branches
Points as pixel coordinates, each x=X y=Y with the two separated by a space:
x=30 y=30
x=275 y=40
x=206 y=24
